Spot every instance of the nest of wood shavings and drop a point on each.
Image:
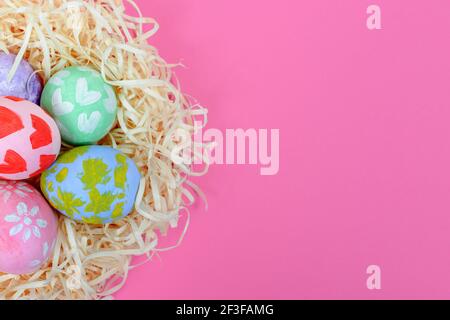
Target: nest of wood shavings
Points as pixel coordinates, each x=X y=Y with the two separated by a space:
x=92 y=261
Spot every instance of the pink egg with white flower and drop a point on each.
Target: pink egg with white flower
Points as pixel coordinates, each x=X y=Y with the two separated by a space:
x=28 y=228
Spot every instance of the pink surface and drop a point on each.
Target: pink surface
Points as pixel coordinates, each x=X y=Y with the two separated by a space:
x=364 y=178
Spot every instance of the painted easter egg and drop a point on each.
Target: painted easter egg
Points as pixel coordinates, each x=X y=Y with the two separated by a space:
x=94 y=184
x=29 y=139
x=84 y=106
x=28 y=228
x=25 y=84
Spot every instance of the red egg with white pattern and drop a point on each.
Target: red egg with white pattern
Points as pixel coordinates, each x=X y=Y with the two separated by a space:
x=29 y=139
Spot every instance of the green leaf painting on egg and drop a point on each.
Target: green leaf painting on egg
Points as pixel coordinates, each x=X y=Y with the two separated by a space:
x=50 y=186
x=62 y=175
x=92 y=184
x=99 y=202
x=70 y=157
x=95 y=172
x=120 y=173
x=47 y=186
x=67 y=201
x=118 y=210
x=93 y=220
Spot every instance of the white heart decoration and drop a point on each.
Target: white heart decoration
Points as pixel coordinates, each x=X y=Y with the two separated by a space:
x=45 y=249
x=85 y=97
x=60 y=107
x=16 y=229
x=111 y=102
x=57 y=78
x=88 y=124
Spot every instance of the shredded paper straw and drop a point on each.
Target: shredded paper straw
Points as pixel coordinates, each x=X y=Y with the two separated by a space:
x=93 y=261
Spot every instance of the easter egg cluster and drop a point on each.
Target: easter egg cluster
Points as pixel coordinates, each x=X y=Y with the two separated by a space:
x=89 y=183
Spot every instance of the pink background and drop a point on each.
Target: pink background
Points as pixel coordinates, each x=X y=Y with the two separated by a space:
x=365 y=150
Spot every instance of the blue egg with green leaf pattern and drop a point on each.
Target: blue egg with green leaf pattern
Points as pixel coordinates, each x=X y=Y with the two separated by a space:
x=92 y=184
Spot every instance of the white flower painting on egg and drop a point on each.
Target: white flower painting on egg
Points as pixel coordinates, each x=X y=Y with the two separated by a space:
x=25 y=222
x=28 y=227
x=46 y=249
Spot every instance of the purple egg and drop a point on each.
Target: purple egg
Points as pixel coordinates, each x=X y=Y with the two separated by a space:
x=25 y=84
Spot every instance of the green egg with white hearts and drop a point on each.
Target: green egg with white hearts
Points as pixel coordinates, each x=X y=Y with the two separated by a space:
x=83 y=105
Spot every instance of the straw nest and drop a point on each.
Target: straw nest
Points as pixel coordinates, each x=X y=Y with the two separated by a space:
x=92 y=261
